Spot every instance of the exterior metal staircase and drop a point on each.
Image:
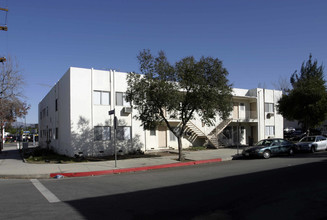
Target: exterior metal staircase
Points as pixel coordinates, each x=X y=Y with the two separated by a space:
x=213 y=135
x=193 y=132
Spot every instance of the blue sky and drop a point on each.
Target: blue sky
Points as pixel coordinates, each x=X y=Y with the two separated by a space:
x=258 y=41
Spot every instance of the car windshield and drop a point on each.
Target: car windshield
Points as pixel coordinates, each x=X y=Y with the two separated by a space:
x=308 y=139
x=264 y=143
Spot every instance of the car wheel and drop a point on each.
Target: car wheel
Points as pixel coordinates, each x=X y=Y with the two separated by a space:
x=313 y=149
x=266 y=154
x=291 y=152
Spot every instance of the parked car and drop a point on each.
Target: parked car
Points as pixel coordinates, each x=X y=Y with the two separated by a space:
x=294 y=135
x=312 y=143
x=268 y=147
x=289 y=130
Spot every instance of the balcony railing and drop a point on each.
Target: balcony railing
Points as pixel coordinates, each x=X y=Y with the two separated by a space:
x=245 y=115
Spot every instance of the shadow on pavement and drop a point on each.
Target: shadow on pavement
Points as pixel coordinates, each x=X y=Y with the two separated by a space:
x=10 y=154
x=296 y=192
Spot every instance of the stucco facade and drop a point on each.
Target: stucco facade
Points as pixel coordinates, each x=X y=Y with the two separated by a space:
x=74 y=118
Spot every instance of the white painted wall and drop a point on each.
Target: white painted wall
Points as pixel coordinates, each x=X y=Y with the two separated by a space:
x=56 y=119
x=77 y=114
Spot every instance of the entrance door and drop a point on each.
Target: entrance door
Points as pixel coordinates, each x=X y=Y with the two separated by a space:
x=162 y=135
x=242 y=111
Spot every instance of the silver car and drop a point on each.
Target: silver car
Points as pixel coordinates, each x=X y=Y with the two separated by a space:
x=312 y=143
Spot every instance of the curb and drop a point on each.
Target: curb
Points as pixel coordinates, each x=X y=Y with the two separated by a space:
x=134 y=169
x=24 y=176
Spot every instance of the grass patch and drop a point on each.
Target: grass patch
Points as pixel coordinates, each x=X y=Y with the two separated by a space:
x=41 y=155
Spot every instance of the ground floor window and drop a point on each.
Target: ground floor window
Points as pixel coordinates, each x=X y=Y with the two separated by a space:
x=153 y=132
x=123 y=133
x=57 y=133
x=102 y=133
x=172 y=137
x=270 y=130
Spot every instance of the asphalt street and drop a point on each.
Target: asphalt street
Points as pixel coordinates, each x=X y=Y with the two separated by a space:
x=278 y=188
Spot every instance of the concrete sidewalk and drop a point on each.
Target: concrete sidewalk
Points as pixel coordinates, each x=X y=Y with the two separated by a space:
x=12 y=165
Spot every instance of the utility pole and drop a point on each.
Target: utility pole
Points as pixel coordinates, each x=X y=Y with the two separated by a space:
x=2 y=60
x=3 y=28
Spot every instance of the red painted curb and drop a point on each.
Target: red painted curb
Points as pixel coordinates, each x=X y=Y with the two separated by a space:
x=134 y=169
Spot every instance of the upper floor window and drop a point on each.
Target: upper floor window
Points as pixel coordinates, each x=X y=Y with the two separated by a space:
x=120 y=99
x=269 y=107
x=101 y=98
x=56 y=105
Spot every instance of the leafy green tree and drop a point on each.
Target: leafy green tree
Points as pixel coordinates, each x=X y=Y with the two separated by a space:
x=306 y=102
x=163 y=91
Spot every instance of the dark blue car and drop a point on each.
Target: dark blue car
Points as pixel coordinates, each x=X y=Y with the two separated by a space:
x=268 y=147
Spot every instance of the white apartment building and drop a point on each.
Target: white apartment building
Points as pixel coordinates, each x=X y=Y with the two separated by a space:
x=74 y=118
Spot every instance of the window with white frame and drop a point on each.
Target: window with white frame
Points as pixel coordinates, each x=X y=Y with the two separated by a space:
x=123 y=133
x=101 y=98
x=120 y=99
x=269 y=107
x=102 y=133
x=270 y=130
x=153 y=132
x=172 y=137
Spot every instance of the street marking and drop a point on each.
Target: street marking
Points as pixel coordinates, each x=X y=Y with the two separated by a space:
x=44 y=191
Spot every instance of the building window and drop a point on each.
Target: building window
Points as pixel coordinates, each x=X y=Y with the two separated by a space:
x=269 y=107
x=101 y=98
x=56 y=105
x=50 y=134
x=102 y=133
x=105 y=98
x=121 y=99
x=270 y=130
x=153 y=132
x=57 y=134
x=123 y=133
x=172 y=137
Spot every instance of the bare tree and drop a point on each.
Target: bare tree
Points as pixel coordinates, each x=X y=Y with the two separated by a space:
x=282 y=84
x=11 y=103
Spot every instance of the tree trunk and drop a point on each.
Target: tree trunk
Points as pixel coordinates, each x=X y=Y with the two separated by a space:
x=181 y=156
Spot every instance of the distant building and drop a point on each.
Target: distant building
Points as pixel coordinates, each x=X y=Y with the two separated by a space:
x=74 y=119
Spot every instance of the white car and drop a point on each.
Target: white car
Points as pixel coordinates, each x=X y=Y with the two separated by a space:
x=312 y=144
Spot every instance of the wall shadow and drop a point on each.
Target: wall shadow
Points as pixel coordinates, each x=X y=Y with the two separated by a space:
x=83 y=142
